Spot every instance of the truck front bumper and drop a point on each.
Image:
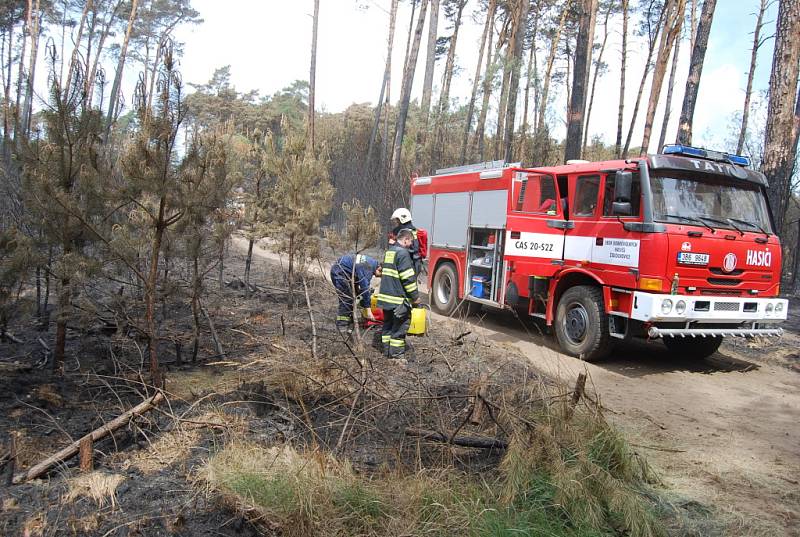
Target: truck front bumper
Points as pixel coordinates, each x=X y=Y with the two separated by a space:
x=745 y=316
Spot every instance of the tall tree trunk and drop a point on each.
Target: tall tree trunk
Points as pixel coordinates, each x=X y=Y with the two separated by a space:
x=488 y=81
x=642 y=82
x=583 y=60
x=90 y=81
x=597 y=66
x=430 y=62
x=8 y=43
x=26 y=32
x=503 y=105
x=312 y=77
x=670 y=90
x=551 y=58
x=196 y=285
x=622 y=70
x=695 y=72
x=27 y=109
x=674 y=18
x=151 y=291
x=444 y=96
x=76 y=50
x=414 y=4
x=405 y=94
x=783 y=112
x=59 y=349
x=487 y=31
x=516 y=44
x=387 y=72
x=115 y=87
x=757 y=42
x=531 y=81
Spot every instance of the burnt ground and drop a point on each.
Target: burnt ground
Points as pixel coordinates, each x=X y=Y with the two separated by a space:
x=266 y=388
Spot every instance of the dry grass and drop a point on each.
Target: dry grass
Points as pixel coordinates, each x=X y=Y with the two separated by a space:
x=97 y=486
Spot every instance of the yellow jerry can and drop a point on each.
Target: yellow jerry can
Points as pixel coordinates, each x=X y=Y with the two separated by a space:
x=419 y=324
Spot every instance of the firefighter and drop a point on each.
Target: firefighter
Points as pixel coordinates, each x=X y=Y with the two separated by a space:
x=398 y=294
x=401 y=219
x=351 y=276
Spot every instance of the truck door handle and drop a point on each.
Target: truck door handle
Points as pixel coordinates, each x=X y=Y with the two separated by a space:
x=561 y=224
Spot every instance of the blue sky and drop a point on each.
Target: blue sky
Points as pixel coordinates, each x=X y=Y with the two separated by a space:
x=267 y=44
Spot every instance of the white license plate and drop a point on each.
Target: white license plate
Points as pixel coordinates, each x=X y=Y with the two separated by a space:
x=691 y=258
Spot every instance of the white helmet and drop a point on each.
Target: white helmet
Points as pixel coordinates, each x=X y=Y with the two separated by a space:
x=402 y=215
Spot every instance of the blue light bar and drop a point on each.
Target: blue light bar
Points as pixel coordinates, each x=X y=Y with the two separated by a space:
x=689 y=151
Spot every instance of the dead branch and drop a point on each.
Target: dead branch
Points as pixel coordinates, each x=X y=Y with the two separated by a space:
x=463 y=441
x=313 y=325
x=217 y=344
x=13 y=339
x=97 y=434
x=577 y=393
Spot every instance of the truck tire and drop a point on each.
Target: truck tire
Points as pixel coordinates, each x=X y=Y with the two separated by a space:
x=695 y=348
x=444 y=292
x=581 y=323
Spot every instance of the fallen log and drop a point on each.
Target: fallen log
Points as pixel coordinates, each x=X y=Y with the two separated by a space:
x=99 y=433
x=481 y=442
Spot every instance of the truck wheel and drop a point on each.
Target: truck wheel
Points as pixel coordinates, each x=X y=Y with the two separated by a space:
x=695 y=348
x=581 y=323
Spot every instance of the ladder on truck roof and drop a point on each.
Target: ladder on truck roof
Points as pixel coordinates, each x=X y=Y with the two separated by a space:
x=481 y=166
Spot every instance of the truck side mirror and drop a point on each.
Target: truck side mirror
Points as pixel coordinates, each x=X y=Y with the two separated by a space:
x=623 y=184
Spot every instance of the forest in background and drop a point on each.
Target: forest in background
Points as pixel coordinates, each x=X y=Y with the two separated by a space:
x=115 y=201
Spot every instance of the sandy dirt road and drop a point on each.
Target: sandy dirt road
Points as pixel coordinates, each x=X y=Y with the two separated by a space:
x=724 y=431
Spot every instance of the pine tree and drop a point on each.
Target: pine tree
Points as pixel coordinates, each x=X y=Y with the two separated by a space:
x=301 y=198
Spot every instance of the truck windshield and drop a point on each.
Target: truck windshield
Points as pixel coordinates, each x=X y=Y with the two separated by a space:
x=709 y=203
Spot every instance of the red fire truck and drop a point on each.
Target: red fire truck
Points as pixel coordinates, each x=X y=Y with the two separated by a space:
x=677 y=246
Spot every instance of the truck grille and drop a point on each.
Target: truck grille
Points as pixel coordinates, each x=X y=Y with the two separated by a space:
x=724 y=281
x=726 y=306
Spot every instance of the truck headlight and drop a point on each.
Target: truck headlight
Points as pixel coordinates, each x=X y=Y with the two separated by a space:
x=666 y=306
x=769 y=307
x=779 y=307
x=680 y=307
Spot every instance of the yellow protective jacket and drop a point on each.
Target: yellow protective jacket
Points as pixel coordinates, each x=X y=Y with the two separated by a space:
x=398 y=279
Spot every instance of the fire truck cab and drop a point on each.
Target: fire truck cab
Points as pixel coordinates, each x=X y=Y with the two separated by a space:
x=677 y=246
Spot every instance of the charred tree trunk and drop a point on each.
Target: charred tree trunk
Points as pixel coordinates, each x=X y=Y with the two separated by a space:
x=622 y=70
x=151 y=292
x=695 y=72
x=757 y=42
x=487 y=31
x=783 y=111
x=405 y=94
x=196 y=287
x=674 y=18
x=26 y=30
x=583 y=59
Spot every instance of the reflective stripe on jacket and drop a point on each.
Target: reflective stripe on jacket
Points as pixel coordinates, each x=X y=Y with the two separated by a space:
x=398 y=279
